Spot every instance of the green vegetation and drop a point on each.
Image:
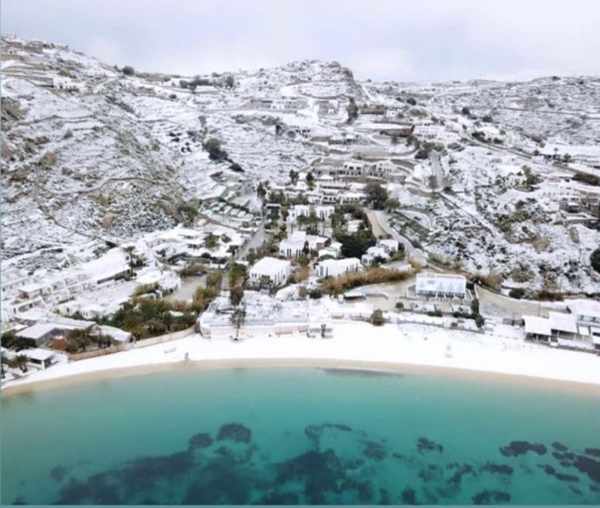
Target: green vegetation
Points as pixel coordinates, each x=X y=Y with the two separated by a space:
x=18 y=362
x=214 y=149
x=595 y=260
x=377 y=318
x=128 y=70
x=376 y=195
x=10 y=341
x=354 y=245
x=80 y=340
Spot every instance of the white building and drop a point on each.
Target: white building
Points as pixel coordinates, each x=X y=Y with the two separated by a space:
x=337 y=267
x=334 y=250
x=389 y=244
x=441 y=285
x=270 y=271
x=265 y=315
x=293 y=246
x=375 y=253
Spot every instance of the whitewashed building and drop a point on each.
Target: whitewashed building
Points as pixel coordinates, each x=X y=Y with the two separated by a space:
x=441 y=285
x=337 y=267
x=270 y=271
x=375 y=253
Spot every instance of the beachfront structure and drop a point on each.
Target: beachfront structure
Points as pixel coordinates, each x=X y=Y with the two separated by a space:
x=557 y=325
x=38 y=358
x=264 y=315
x=441 y=285
x=269 y=271
x=337 y=267
x=53 y=327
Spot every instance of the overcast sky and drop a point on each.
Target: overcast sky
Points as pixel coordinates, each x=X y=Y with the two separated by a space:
x=402 y=40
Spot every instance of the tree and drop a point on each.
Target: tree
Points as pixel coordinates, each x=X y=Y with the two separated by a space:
x=310 y=180
x=214 y=149
x=352 y=110
x=211 y=241
x=377 y=195
x=377 y=318
x=236 y=295
x=595 y=260
x=261 y=192
x=293 y=177
x=237 y=319
x=237 y=275
x=392 y=204
x=128 y=70
x=229 y=81
x=354 y=245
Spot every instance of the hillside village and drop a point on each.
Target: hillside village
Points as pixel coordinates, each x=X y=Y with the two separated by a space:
x=139 y=207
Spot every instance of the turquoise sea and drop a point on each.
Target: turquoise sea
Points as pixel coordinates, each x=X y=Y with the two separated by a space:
x=291 y=436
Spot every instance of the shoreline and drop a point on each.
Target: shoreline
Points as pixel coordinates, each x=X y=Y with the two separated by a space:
x=354 y=346
x=344 y=366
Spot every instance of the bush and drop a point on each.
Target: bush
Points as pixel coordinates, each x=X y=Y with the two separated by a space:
x=337 y=285
x=377 y=195
x=214 y=149
x=517 y=293
x=128 y=70
x=595 y=260
x=377 y=318
x=315 y=293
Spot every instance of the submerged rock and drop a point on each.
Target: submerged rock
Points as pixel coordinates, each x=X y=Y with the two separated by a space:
x=409 y=496
x=516 y=448
x=559 y=446
x=234 y=432
x=497 y=468
x=427 y=445
x=491 y=496
x=58 y=473
x=588 y=466
x=592 y=452
x=202 y=440
x=374 y=450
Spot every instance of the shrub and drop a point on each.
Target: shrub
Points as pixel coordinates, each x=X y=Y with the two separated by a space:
x=315 y=293
x=128 y=70
x=377 y=195
x=378 y=275
x=595 y=260
x=377 y=318
x=214 y=149
x=517 y=293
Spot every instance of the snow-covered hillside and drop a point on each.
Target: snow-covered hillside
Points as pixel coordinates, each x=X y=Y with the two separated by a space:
x=93 y=153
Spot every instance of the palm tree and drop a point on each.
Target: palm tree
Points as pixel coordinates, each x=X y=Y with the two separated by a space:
x=19 y=362
x=237 y=318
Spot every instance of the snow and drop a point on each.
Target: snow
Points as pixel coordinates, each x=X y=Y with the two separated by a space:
x=354 y=341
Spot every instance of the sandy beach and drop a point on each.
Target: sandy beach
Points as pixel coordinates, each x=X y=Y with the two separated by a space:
x=354 y=345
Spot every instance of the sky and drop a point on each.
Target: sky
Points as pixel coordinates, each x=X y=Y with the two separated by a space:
x=423 y=40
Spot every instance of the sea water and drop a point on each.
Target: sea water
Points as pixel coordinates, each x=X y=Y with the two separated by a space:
x=300 y=436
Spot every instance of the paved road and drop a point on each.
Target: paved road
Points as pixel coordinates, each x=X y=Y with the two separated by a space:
x=381 y=227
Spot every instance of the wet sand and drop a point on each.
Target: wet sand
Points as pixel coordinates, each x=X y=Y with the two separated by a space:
x=348 y=367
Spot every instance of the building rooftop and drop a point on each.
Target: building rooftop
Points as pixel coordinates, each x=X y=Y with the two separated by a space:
x=269 y=265
x=441 y=283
